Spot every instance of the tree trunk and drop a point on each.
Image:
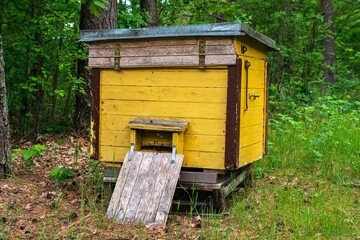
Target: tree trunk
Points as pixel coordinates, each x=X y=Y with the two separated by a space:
x=4 y=121
x=149 y=6
x=328 y=42
x=107 y=20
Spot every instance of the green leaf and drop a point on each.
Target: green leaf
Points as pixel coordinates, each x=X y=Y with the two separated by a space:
x=28 y=154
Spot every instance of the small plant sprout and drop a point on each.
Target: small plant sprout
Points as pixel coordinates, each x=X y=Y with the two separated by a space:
x=28 y=155
x=61 y=174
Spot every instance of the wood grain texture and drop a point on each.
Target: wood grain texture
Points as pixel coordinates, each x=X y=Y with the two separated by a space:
x=95 y=113
x=254 y=48
x=232 y=137
x=189 y=78
x=162 y=53
x=172 y=178
x=143 y=193
x=174 y=109
x=192 y=159
x=162 y=61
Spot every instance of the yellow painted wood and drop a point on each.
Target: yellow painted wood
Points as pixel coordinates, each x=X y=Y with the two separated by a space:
x=253 y=116
x=168 y=94
x=92 y=134
x=173 y=109
x=196 y=126
x=210 y=160
x=157 y=128
x=207 y=143
x=178 y=141
x=265 y=106
x=192 y=159
x=254 y=48
x=258 y=102
x=256 y=74
x=250 y=153
x=250 y=135
x=135 y=137
x=209 y=78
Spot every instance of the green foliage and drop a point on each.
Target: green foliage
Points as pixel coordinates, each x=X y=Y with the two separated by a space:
x=323 y=137
x=61 y=174
x=28 y=155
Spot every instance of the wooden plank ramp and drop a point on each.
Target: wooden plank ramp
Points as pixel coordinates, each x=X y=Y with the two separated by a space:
x=145 y=188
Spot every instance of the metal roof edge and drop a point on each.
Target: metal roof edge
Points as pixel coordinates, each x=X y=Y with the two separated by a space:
x=205 y=30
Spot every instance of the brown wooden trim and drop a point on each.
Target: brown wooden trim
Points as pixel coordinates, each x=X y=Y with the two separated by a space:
x=95 y=111
x=232 y=136
x=267 y=106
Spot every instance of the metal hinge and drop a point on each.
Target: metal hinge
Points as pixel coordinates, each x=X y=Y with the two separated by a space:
x=202 y=54
x=117 y=57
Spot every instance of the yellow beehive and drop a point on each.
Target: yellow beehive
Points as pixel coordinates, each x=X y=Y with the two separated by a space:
x=213 y=76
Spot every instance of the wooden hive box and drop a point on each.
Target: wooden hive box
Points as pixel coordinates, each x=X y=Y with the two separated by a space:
x=213 y=76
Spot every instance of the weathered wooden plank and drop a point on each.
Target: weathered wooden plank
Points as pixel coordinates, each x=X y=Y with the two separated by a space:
x=158 y=188
x=113 y=208
x=129 y=185
x=140 y=186
x=187 y=176
x=168 y=94
x=219 y=41
x=167 y=196
x=181 y=125
x=145 y=43
x=101 y=62
x=163 y=61
x=208 y=78
x=220 y=60
x=236 y=181
x=220 y=50
x=175 y=109
x=183 y=50
x=151 y=186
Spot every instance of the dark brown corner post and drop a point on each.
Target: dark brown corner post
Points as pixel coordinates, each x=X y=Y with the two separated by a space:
x=232 y=136
x=267 y=106
x=95 y=112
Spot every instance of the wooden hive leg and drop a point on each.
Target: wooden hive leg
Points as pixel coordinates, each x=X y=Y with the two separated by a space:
x=219 y=199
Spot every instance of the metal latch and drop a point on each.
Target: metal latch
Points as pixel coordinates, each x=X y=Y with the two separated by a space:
x=202 y=54
x=117 y=57
x=131 y=151
x=243 y=49
x=247 y=65
x=173 y=154
x=253 y=96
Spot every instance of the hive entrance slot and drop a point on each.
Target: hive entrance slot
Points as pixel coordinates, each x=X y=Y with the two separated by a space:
x=156 y=140
x=157 y=135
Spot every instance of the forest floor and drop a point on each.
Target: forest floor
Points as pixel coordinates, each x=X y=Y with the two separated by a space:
x=32 y=206
x=281 y=203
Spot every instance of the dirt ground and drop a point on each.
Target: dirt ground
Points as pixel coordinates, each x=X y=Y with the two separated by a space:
x=32 y=207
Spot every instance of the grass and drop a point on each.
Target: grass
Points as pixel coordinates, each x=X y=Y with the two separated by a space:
x=308 y=187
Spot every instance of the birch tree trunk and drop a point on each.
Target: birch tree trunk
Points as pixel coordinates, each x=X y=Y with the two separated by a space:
x=107 y=20
x=4 y=121
x=328 y=42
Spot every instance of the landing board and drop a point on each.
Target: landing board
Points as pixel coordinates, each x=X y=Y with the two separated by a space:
x=145 y=188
